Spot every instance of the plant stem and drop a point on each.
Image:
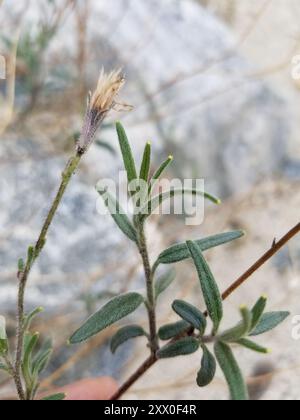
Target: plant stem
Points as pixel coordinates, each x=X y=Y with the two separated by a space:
x=148 y=363
x=71 y=167
x=142 y=243
x=277 y=246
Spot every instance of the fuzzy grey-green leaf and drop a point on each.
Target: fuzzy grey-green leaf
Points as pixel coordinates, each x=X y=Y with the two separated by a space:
x=125 y=334
x=211 y=293
x=163 y=282
x=269 y=321
x=126 y=153
x=30 y=343
x=258 y=310
x=190 y=314
x=232 y=372
x=180 y=252
x=113 y=311
x=146 y=162
x=182 y=347
x=208 y=368
x=118 y=214
x=250 y=345
x=168 y=331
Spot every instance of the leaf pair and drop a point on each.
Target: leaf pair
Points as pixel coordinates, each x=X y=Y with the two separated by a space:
x=253 y=323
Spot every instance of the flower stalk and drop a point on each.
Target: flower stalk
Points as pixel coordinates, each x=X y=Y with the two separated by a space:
x=99 y=105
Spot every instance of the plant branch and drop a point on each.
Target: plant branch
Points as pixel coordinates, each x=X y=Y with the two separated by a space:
x=150 y=288
x=24 y=274
x=148 y=363
x=276 y=247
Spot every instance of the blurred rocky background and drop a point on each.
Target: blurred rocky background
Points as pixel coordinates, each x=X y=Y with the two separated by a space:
x=211 y=83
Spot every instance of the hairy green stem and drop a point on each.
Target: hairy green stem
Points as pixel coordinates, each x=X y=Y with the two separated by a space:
x=71 y=167
x=142 y=243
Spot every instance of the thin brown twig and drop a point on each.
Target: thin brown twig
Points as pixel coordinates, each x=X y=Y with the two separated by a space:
x=237 y=284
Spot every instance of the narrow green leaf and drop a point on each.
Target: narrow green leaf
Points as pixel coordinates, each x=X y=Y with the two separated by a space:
x=241 y=330
x=191 y=315
x=146 y=162
x=232 y=372
x=208 y=368
x=3 y=336
x=248 y=344
x=169 y=331
x=113 y=311
x=163 y=282
x=29 y=346
x=258 y=311
x=55 y=397
x=183 y=347
x=180 y=252
x=156 y=201
x=125 y=334
x=126 y=153
x=210 y=290
x=30 y=317
x=269 y=321
x=118 y=214
x=160 y=171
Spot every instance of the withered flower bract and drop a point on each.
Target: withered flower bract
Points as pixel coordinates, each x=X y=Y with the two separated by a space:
x=99 y=104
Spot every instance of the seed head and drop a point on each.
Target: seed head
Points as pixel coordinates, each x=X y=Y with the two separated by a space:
x=99 y=104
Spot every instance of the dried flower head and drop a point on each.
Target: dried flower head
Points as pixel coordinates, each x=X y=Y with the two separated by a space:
x=99 y=105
